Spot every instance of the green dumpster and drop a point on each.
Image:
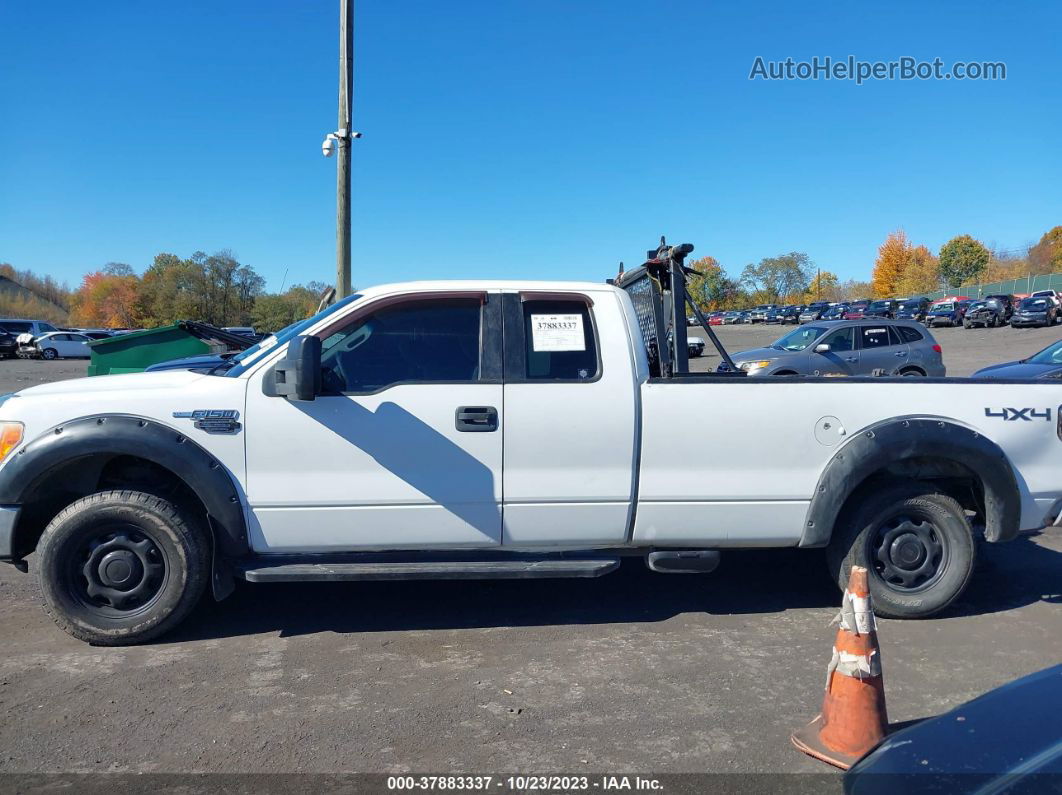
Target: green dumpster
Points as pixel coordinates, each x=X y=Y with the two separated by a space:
x=137 y=350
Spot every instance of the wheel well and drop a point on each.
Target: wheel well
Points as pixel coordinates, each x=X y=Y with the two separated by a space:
x=952 y=478
x=79 y=477
x=913 y=368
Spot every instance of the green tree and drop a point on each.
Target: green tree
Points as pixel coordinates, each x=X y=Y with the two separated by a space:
x=777 y=278
x=962 y=259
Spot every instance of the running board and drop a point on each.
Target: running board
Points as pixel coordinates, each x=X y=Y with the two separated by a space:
x=427 y=570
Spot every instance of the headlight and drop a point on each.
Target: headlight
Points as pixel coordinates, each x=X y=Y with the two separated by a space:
x=746 y=366
x=10 y=437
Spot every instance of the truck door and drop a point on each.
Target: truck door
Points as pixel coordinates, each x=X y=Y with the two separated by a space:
x=403 y=449
x=570 y=420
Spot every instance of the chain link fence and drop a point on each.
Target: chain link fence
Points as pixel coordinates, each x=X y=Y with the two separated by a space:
x=1024 y=284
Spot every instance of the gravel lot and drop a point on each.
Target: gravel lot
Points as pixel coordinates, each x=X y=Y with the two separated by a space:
x=634 y=672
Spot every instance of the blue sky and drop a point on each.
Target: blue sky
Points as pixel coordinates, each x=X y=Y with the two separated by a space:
x=516 y=138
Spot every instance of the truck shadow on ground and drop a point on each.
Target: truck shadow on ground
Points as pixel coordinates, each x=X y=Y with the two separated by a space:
x=749 y=582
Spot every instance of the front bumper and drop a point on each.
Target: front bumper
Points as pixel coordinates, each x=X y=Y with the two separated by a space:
x=8 y=520
x=1029 y=321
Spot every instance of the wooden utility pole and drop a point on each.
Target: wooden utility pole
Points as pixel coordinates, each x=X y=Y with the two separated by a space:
x=343 y=136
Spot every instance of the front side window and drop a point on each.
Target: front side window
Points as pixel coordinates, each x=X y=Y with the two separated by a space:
x=559 y=341
x=841 y=340
x=431 y=341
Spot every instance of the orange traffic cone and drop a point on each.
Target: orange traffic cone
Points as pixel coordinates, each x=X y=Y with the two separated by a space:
x=853 y=718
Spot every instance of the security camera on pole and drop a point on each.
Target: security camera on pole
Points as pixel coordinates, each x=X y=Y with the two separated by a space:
x=340 y=139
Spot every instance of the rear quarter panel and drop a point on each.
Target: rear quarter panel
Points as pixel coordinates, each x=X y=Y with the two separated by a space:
x=761 y=457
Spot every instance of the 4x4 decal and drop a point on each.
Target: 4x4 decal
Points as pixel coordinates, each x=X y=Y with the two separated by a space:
x=1012 y=415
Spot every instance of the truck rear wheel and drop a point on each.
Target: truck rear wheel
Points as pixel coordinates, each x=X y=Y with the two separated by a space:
x=916 y=544
x=121 y=567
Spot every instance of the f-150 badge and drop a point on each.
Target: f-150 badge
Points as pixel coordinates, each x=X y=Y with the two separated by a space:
x=1012 y=415
x=212 y=420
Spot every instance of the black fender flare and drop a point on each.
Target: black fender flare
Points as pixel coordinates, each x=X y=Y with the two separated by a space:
x=121 y=435
x=875 y=448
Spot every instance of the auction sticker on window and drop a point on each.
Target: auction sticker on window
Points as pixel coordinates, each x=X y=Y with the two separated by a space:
x=557 y=333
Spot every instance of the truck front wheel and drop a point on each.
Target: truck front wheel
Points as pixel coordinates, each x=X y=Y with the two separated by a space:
x=916 y=544
x=121 y=567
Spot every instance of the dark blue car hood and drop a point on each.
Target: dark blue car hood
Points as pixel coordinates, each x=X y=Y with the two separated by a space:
x=1018 y=370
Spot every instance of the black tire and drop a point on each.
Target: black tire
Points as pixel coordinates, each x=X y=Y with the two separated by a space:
x=49 y=354
x=121 y=567
x=916 y=544
x=912 y=372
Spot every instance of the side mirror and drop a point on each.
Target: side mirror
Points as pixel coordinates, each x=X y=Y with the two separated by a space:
x=823 y=347
x=298 y=375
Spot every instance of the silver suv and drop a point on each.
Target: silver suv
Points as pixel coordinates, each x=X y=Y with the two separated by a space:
x=870 y=346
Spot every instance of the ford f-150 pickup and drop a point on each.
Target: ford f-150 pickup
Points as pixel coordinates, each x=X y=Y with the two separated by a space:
x=502 y=429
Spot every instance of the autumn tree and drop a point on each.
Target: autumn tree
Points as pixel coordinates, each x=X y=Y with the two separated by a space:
x=890 y=264
x=962 y=259
x=823 y=287
x=920 y=274
x=106 y=299
x=1046 y=256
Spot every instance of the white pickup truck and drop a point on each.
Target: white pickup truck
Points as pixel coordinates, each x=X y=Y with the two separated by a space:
x=500 y=429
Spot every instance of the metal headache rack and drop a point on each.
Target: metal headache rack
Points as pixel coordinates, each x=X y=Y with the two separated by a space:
x=657 y=289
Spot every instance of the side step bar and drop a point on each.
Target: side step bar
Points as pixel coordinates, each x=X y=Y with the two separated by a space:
x=261 y=571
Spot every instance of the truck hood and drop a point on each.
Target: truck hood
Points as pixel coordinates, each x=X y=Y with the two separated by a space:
x=170 y=379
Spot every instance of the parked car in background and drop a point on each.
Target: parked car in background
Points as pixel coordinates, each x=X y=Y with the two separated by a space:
x=731 y=318
x=8 y=344
x=857 y=309
x=95 y=333
x=759 y=313
x=1007 y=302
x=884 y=308
x=716 y=318
x=836 y=312
x=62 y=345
x=694 y=346
x=745 y=317
x=989 y=313
x=791 y=313
x=1043 y=364
x=1052 y=294
x=814 y=311
x=945 y=313
x=913 y=309
x=16 y=326
x=847 y=348
x=1037 y=311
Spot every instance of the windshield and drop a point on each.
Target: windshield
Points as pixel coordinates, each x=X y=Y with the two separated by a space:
x=246 y=358
x=1050 y=355
x=879 y=305
x=834 y=311
x=912 y=306
x=978 y=305
x=945 y=307
x=799 y=339
x=1035 y=304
